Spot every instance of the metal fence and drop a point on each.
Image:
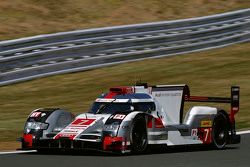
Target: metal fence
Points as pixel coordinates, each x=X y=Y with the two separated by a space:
x=45 y=55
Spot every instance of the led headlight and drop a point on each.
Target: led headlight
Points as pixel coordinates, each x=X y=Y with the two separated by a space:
x=35 y=125
x=111 y=127
x=57 y=129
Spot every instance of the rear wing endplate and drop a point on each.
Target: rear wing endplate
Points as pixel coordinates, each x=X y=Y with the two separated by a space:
x=233 y=100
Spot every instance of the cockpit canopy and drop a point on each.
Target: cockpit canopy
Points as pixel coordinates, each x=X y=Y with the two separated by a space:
x=111 y=103
x=111 y=108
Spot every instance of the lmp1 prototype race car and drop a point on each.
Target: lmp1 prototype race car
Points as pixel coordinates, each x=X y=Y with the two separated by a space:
x=131 y=118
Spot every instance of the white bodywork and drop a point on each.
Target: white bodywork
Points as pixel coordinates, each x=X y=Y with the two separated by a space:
x=199 y=110
x=168 y=107
x=175 y=138
x=170 y=103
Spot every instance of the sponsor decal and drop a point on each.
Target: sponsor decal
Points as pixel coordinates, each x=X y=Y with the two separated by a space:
x=160 y=94
x=111 y=100
x=206 y=124
x=104 y=100
x=35 y=114
x=194 y=132
x=119 y=116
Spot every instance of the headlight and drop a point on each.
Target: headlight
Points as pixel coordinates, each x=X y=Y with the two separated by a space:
x=35 y=126
x=111 y=127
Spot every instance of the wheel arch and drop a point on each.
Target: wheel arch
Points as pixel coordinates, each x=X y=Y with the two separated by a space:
x=53 y=114
x=127 y=123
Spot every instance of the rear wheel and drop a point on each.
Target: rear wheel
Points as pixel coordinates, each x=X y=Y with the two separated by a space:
x=220 y=130
x=138 y=135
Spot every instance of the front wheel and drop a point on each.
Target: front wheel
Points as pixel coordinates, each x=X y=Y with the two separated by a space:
x=220 y=130
x=138 y=135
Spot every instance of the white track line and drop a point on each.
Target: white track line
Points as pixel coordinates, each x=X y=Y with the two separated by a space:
x=243 y=132
x=30 y=151
x=17 y=152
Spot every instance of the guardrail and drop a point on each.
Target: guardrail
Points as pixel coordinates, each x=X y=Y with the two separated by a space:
x=44 y=55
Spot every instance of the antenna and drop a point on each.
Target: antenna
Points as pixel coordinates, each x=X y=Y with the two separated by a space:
x=140 y=83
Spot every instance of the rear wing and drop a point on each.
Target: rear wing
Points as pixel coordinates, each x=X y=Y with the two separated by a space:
x=233 y=100
x=172 y=98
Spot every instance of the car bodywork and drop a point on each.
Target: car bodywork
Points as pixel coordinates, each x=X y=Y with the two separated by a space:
x=131 y=118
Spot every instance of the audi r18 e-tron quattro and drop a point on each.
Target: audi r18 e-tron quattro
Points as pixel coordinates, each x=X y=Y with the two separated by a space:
x=131 y=118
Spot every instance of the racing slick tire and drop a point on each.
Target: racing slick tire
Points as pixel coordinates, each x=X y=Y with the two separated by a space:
x=220 y=131
x=138 y=135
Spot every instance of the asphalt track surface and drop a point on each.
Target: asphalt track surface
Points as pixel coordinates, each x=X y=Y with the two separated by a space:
x=232 y=156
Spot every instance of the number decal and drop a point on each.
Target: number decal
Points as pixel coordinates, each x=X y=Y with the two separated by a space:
x=75 y=128
x=205 y=134
x=82 y=122
x=119 y=116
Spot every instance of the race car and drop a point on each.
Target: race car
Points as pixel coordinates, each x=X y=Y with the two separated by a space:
x=132 y=118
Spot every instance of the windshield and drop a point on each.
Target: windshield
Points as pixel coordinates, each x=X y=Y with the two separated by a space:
x=111 y=108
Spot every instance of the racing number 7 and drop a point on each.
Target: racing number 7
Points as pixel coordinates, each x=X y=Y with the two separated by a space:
x=207 y=135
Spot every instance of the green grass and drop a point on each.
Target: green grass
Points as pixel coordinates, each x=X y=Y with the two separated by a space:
x=20 y=18
x=207 y=73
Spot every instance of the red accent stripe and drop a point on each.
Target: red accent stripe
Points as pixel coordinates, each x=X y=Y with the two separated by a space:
x=119 y=90
x=112 y=143
x=110 y=95
x=234 y=110
x=158 y=123
x=197 y=98
x=28 y=140
x=150 y=124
